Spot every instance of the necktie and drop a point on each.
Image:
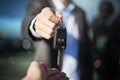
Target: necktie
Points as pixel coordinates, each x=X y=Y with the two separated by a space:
x=70 y=54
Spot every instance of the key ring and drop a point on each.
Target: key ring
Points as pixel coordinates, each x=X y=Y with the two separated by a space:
x=61 y=24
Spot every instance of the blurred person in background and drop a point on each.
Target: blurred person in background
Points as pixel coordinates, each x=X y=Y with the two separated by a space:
x=106 y=57
x=38 y=27
x=99 y=25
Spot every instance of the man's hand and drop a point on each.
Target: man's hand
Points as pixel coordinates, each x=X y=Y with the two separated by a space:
x=46 y=22
x=40 y=71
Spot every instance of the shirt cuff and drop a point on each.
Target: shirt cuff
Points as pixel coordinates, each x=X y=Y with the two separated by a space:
x=32 y=29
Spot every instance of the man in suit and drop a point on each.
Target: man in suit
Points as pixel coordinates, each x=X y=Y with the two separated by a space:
x=39 y=26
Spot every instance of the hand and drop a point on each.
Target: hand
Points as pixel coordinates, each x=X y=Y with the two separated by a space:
x=40 y=71
x=46 y=22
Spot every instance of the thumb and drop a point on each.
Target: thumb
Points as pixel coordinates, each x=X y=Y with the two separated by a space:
x=59 y=14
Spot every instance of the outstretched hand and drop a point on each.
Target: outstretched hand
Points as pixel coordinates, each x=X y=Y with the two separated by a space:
x=40 y=71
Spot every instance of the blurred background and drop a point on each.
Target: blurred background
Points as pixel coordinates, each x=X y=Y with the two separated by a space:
x=16 y=53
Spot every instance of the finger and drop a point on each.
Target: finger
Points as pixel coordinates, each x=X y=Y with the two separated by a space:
x=41 y=19
x=60 y=75
x=54 y=19
x=64 y=78
x=35 y=68
x=34 y=64
x=49 y=13
x=44 y=28
x=51 y=78
x=55 y=78
x=43 y=34
x=59 y=14
x=44 y=65
x=52 y=71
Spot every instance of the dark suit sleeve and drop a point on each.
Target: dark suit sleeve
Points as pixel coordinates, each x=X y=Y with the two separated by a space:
x=33 y=8
x=84 y=56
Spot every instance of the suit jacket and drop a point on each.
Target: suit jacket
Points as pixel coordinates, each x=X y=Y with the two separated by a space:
x=44 y=48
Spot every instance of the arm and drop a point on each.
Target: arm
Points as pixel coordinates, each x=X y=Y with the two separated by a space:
x=46 y=20
x=33 y=8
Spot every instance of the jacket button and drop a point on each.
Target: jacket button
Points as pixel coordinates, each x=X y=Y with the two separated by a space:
x=97 y=63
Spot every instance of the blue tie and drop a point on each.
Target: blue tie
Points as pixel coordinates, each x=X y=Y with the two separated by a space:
x=72 y=50
x=72 y=47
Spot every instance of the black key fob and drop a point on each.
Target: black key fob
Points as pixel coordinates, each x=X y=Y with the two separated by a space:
x=60 y=38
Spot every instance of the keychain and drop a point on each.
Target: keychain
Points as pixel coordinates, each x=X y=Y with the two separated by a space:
x=59 y=42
